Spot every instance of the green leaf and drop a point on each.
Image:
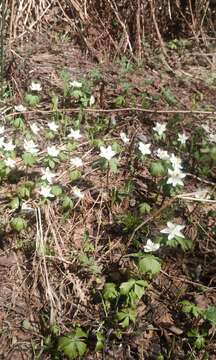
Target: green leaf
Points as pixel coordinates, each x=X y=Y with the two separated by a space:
x=119 y=100
x=18 y=123
x=14 y=204
x=149 y=264
x=23 y=192
x=32 y=100
x=73 y=344
x=144 y=208
x=127 y=286
x=190 y=308
x=168 y=96
x=56 y=190
x=67 y=203
x=125 y=316
x=100 y=341
x=185 y=244
x=139 y=291
x=199 y=341
x=210 y=314
x=113 y=165
x=75 y=175
x=18 y=224
x=157 y=169
x=29 y=159
x=109 y=291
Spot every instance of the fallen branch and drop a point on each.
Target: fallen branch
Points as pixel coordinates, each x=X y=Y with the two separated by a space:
x=134 y=109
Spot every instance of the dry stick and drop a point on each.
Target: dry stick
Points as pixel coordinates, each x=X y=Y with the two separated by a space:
x=32 y=25
x=187 y=281
x=99 y=110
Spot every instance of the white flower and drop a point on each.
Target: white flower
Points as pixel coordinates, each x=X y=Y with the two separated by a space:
x=52 y=151
x=107 y=153
x=76 y=162
x=45 y=191
x=162 y=154
x=160 y=128
x=74 y=134
x=35 y=86
x=1 y=141
x=30 y=147
x=48 y=175
x=2 y=130
x=151 y=246
x=175 y=177
x=124 y=138
x=176 y=162
x=206 y=128
x=11 y=163
x=34 y=128
x=144 y=148
x=212 y=138
x=9 y=146
x=182 y=138
x=77 y=193
x=53 y=126
x=20 y=108
x=91 y=100
x=76 y=84
x=173 y=230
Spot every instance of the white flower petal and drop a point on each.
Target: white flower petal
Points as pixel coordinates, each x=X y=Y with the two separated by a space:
x=144 y=148
x=107 y=153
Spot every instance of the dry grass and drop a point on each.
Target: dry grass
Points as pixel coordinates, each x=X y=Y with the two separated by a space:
x=107 y=28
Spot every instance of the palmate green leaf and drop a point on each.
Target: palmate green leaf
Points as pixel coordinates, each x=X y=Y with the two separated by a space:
x=56 y=190
x=29 y=159
x=144 y=208
x=149 y=264
x=73 y=344
x=190 y=308
x=32 y=100
x=185 y=244
x=157 y=169
x=127 y=286
x=199 y=338
x=18 y=224
x=210 y=315
x=14 y=204
x=67 y=203
x=126 y=316
x=110 y=291
x=75 y=175
x=139 y=290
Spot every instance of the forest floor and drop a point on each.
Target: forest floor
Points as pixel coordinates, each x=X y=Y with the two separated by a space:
x=108 y=205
